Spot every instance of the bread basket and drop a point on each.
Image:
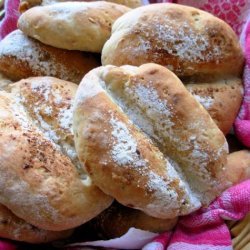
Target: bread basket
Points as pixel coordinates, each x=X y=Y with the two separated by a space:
x=240 y=230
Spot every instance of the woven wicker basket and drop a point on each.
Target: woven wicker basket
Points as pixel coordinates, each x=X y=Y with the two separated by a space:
x=240 y=232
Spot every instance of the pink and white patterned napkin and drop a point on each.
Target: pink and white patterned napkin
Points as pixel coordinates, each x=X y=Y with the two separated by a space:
x=206 y=228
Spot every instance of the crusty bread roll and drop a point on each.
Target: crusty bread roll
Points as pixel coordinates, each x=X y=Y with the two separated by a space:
x=14 y=228
x=23 y=57
x=117 y=220
x=190 y=42
x=27 y=4
x=158 y=149
x=238 y=166
x=41 y=180
x=221 y=98
x=82 y=26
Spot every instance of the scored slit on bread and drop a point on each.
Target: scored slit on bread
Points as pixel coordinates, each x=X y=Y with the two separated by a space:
x=45 y=171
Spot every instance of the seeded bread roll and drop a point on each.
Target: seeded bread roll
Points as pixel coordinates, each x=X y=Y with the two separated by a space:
x=190 y=42
x=153 y=153
x=14 y=228
x=22 y=57
x=82 y=26
x=117 y=220
x=27 y=4
x=41 y=180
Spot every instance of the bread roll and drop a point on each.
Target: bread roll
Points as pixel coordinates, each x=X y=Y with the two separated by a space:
x=117 y=220
x=14 y=228
x=238 y=166
x=41 y=180
x=222 y=99
x=82 y=26
x=190 y=42
x=154 y=154
x=22 y=57
x=27 y=4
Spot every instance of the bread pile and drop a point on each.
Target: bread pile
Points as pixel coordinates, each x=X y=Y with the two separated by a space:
x=147 y=128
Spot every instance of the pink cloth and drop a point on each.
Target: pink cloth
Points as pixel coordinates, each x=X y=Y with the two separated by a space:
x=206 y=228
x=9 y=21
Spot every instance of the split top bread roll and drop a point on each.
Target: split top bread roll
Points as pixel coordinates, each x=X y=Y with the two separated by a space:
x=23 y=57
x=27 y=4
x=41 y=180
x=140 y=143
x=72 y=25
x=14 y=228
x=190 y=42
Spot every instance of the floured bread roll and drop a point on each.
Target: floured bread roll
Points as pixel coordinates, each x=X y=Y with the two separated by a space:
x=14 y=228
x=82 y=26
x=27 y=4
x=190 y=42
x=22 y=57
x=221 y=98
x=41 y=180
x=146 y=141
x=117 y=220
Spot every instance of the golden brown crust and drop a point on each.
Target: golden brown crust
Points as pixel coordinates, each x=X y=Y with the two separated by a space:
x=82 y=26
x=27 y=4
x=190 y=42
x=117 y=220
x=238 y=166
x=22 y=57
x=14 y=228
x=55 y=195
x=111 y=104
x=222 y=100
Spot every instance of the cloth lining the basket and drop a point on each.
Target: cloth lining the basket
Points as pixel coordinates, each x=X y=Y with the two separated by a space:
x=206 y=228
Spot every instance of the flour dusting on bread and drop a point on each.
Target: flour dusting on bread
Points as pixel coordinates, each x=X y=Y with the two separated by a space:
x=124 y=148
